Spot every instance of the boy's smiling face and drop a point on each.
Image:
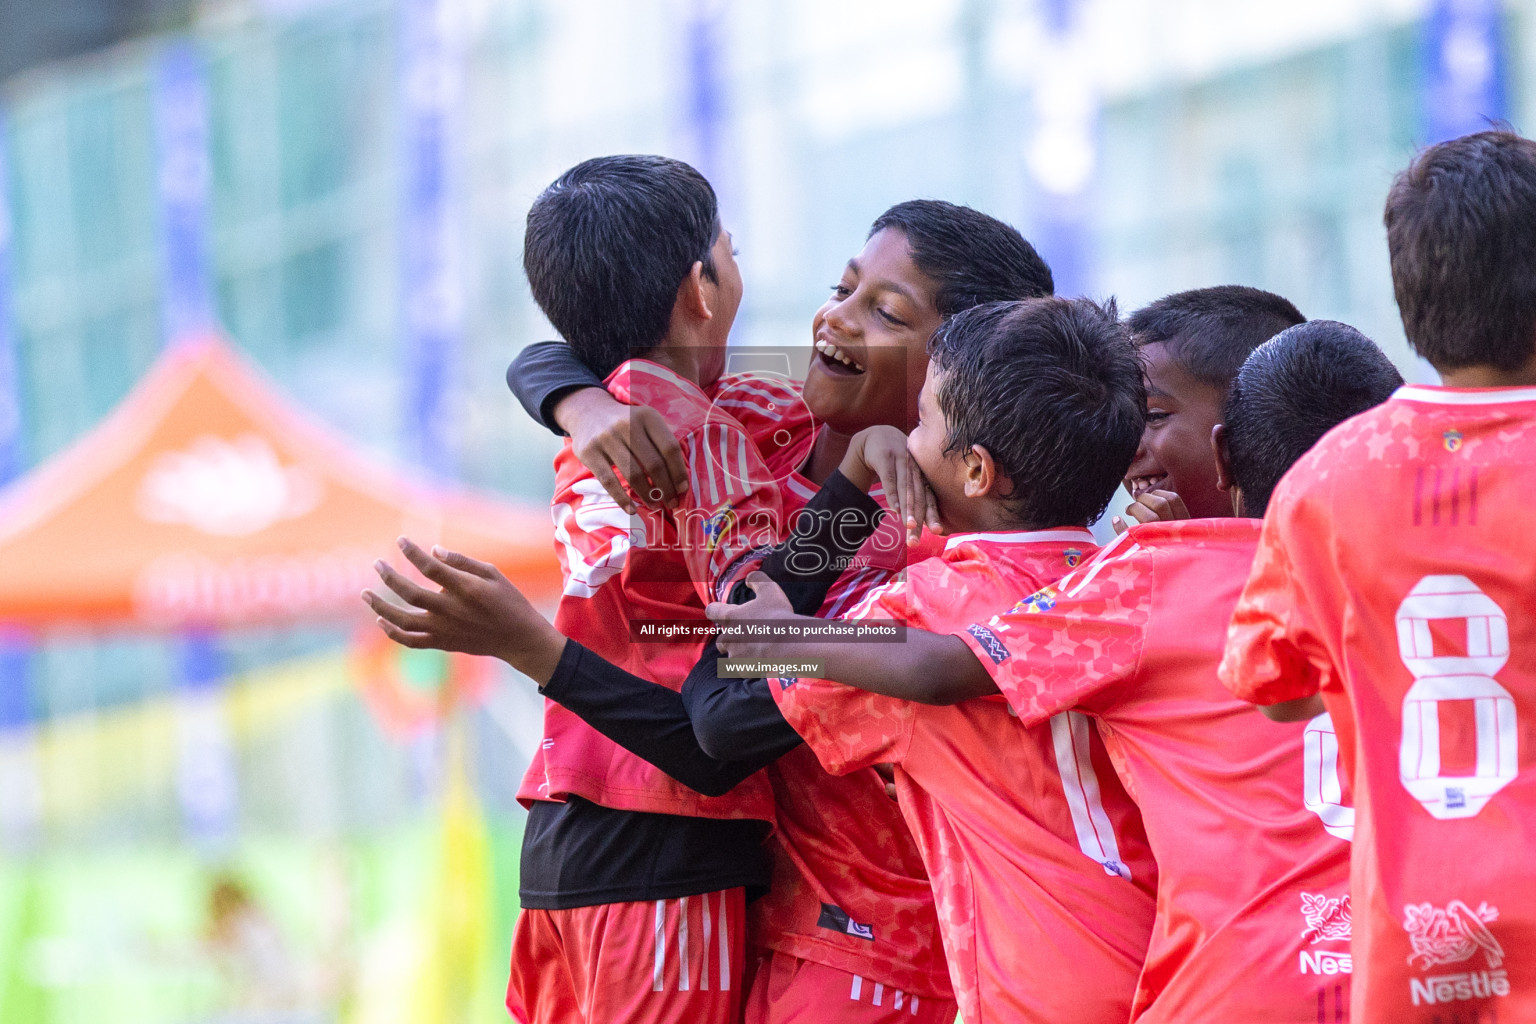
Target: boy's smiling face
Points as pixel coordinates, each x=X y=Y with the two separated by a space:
x=871 y=339
x=1175 y=452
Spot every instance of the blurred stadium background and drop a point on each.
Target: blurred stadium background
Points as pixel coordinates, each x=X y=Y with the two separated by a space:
x=231 y=826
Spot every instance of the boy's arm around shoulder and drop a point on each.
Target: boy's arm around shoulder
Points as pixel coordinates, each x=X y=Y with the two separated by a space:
x=545 y=373
x=557 y=389
x=923 y=667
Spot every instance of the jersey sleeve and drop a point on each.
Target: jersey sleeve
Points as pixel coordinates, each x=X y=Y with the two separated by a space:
x=1273 y=654
x=1065 y=645
x=846 y=727
x=542 y=374
x=732 y=512
x=594 y=536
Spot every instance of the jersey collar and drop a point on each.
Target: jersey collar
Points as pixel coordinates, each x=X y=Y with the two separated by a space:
x=1066 y=535
x=1463 y=396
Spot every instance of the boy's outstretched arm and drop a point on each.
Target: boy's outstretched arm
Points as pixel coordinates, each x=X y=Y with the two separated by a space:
x=558 y=390
x=478 y=611
x=923 y=667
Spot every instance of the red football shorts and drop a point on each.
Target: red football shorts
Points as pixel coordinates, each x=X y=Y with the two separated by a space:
x=655 y=962
x=785 y=989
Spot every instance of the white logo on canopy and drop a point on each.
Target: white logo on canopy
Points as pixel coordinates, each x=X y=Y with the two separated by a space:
x=226 y=488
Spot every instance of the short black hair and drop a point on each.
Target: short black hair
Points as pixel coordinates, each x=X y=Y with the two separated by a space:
x=1210 y=331
x=1053 y=390
x=973 y=257
x=606 y=247
x=1295 y=388
x=1461 y=230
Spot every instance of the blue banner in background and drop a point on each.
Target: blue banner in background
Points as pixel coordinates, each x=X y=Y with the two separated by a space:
x=205 y=769
x=706 y=87
x=205 y=775
x=1464 y=68
x=1062 y=152
x=432 y=294
x=183 y=175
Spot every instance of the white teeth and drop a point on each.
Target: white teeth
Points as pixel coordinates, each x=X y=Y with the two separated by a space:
x=833 y=352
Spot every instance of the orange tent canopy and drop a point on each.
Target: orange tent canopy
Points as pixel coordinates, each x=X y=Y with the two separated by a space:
x=205 y=499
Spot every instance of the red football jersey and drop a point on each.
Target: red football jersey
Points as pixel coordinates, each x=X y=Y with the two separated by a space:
x=849 y=888
x=1397 y=576
x=1252 y=899
x=775 y=416
x=622 y=571
x=1037 y=856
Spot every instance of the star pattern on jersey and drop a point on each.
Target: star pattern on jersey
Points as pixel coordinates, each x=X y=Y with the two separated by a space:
x=842 y=842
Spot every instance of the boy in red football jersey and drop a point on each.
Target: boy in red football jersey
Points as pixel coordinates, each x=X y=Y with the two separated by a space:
x=1018 y=827
x=1037 y=858
x=1247 y=875
x=633 y=885
x=1396 y=578
x=841 y=852
x=1192 y=344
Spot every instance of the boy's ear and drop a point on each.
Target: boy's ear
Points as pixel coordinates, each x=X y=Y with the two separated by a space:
x=981 y=475
x=1219 y=451
x=692 y=298
x=1224 y=480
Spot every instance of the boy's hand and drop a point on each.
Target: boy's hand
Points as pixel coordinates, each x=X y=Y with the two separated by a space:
x=1152 y=507
x=607 y=434
x=477 y=611
x=769 y=604
x=881 y=453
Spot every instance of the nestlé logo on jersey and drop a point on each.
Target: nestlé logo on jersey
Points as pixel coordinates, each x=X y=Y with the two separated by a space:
x=1328 y=919
x=1454 y=935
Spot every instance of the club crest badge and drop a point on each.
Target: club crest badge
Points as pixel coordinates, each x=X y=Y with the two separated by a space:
x=1452 y=440
x=717 y=526
x=1072 y=556
x=1042 y=600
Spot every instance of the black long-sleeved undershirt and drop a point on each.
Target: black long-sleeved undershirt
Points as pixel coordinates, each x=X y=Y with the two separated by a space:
x=542 y=374
x=716 y=732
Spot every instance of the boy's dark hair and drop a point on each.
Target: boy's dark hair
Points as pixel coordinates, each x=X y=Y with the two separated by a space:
x=973 y=257
x=607 y=245
x=1053 y=390
x=1295 y=388
x=1210 y=331
x=1461 y=229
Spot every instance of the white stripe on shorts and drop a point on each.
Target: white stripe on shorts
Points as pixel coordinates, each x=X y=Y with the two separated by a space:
x=683 y=967
x=704 y=970
x=661 y=946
